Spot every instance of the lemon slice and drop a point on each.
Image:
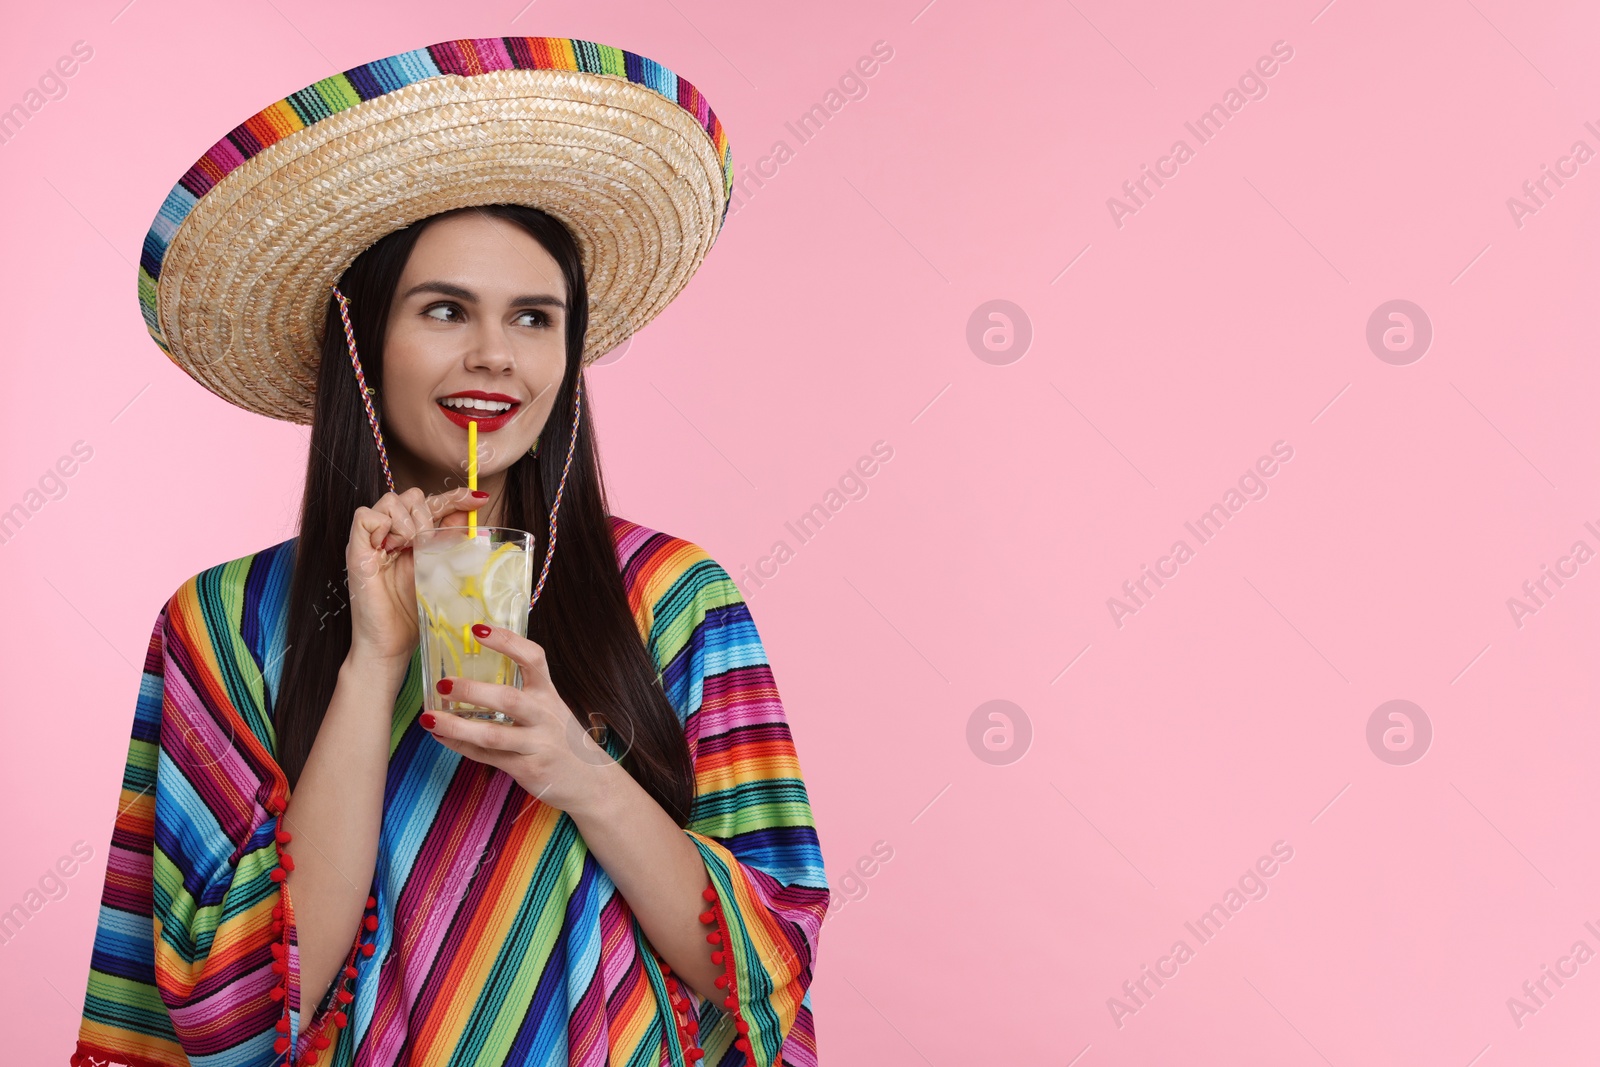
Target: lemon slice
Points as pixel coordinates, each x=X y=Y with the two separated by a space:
x=504 y=582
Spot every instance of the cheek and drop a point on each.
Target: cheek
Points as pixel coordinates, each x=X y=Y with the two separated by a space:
x=542 y=361
x=542 y=382
x=411 y=372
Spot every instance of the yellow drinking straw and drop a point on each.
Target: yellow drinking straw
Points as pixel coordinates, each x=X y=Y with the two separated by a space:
x=472 y=473
x=467 y=640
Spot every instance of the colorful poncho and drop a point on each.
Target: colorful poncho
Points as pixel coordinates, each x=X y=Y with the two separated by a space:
x=501 y=939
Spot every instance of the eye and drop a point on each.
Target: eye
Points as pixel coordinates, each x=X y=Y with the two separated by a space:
x=541 y=319
x=444 y=307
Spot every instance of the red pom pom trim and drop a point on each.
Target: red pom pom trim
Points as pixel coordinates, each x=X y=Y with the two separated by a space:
x=335 y=1018
x=688 y=1025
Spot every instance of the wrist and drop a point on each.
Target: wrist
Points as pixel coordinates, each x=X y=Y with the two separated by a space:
x=366 y=669
x=605 y=796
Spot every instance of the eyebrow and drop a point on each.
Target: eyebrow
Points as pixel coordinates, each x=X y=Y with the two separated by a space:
x=449 y=289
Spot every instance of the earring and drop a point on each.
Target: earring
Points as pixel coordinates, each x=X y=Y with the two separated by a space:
x=534 y=451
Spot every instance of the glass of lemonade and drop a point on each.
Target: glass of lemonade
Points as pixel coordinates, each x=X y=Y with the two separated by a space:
x=466 y=576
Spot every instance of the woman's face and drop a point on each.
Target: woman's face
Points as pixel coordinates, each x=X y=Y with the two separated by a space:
x=476 y=331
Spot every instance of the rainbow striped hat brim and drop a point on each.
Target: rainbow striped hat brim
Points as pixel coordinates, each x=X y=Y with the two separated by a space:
x=236 y=273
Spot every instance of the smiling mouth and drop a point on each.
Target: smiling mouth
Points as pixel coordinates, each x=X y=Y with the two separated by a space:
x=469 y=406
x=489 y=414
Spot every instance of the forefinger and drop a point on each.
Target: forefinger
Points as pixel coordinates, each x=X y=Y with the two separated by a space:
x=527 y=654
x=454 y=505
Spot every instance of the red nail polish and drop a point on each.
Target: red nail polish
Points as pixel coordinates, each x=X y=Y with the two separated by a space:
x=428 y=719
x=480 y=494
x=480 y=630
x=444 y=685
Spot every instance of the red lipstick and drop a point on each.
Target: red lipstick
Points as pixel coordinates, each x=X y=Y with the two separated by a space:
x=488 y=419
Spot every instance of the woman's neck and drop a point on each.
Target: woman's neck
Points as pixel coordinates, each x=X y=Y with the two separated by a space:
x=408 y=474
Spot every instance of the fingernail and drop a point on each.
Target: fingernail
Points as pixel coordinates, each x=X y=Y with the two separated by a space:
x=480 y=630
x=444 y=685
x=427 y=719
x=480 y=494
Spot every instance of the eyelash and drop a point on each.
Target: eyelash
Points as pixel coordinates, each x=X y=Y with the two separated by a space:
x=544 y=318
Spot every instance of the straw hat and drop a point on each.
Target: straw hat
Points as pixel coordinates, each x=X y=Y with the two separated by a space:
x=237 y=269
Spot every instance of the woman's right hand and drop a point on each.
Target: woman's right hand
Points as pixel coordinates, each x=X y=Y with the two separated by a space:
x=380 y=573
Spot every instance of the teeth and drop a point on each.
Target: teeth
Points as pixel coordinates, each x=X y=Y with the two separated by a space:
x=468 y=404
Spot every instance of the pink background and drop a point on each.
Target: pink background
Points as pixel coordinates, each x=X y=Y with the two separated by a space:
x=1228 y=313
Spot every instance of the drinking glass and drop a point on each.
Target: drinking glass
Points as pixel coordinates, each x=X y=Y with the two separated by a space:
x=466 y=576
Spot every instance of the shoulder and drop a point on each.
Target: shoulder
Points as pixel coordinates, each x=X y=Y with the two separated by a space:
x=224 y=629
x=238 y=589
x=656 y=564
x=673 y=584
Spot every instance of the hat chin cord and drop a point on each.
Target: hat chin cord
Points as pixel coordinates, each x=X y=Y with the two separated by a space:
x=383 y=454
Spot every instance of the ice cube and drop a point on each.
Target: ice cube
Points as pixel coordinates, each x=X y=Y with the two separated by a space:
x=468 y=557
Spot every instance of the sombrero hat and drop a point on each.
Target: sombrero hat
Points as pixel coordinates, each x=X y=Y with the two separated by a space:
x=236 y=271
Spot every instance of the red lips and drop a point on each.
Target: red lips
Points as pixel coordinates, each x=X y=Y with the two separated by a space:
x=486 y=423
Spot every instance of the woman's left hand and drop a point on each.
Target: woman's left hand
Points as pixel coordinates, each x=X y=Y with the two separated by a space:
x=545 y=749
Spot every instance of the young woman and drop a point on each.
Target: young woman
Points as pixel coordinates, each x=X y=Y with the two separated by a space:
x=305 y=866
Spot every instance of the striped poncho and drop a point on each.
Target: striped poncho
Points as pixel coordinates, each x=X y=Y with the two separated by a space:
x=502 y=940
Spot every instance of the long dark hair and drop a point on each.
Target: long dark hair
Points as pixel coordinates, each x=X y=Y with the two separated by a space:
x=597 y=659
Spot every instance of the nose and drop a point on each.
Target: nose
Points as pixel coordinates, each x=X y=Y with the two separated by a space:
x=490 y=350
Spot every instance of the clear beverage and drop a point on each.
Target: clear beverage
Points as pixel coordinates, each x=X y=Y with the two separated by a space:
x=465 y=577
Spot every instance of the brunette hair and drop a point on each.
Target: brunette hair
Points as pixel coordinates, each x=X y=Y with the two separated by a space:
x=597 y=658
